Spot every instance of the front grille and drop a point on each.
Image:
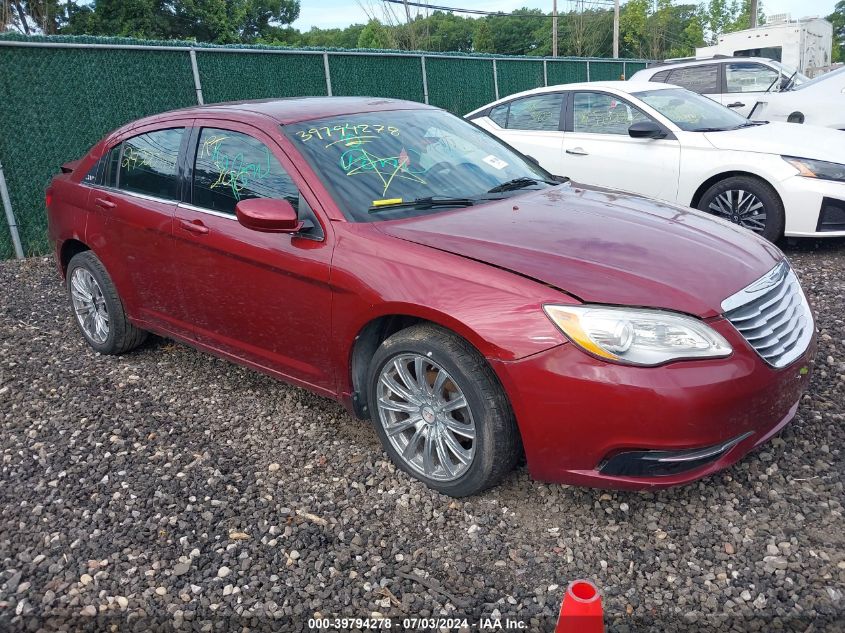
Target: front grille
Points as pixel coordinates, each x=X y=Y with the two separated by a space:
x=773 y=315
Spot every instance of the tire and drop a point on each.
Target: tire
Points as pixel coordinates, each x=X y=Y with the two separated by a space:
x=87 y=277
x=495 y=445
x=727 y=200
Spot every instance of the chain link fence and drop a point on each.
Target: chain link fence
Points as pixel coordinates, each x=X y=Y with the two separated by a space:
x=62 y=94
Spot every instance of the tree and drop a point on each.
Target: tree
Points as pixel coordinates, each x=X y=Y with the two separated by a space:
x=482 y=38
x=219 y=21
x=837 y=18
x=374 y=35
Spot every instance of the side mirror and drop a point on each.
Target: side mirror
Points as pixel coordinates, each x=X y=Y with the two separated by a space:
x=646 y=129
x=531 y=159
x=268 y=215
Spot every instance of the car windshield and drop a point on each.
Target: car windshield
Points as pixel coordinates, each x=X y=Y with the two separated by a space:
x=692 y=112
x=839 y=74
x=397 y=163
x=788 y=72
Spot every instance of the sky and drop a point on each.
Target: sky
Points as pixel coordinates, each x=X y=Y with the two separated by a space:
x=340 y=13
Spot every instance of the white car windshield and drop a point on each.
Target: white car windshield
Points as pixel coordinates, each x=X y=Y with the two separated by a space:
x=789 y=73
x=691 y=112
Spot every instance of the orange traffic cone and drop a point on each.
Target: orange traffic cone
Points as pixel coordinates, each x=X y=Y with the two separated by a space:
x=581 y=610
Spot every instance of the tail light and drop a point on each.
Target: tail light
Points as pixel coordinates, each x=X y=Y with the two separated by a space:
x=48 y=198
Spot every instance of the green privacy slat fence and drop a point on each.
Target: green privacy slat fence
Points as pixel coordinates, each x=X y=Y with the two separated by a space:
x=516 y=76
x=61 y=94
x=253 y=76
x=565 y=72
x=459 y=85
x=58 y=102
x=606 y=71
x=384 y=76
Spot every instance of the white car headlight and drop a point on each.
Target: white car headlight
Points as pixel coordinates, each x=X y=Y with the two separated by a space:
x=637 y=336
x=822 y=169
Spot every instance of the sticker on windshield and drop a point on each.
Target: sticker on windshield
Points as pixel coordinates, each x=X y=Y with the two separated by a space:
x=496 y=163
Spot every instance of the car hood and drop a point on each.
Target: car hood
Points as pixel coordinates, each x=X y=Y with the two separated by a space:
x=786 y=139
x=601 y=246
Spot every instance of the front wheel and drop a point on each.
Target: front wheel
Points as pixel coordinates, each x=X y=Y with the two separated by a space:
x=748 y=202
x=440 y=411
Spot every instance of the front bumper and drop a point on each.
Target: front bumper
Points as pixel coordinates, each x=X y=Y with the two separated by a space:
x=577 y=413
x=804 y=200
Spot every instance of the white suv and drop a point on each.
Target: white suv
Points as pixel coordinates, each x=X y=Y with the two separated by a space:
x=739 y=83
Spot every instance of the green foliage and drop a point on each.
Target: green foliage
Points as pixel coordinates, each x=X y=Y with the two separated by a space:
x=218 y=21
x=374 y=35
x=482 y=39
x=837 y=18
x=661 y=30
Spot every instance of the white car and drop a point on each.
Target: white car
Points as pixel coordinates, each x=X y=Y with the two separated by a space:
x=738 y=83
x=759 y=89
x=820 y=101
x=671 y=144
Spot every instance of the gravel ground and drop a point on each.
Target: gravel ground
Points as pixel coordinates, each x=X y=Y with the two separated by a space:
x=170 y=489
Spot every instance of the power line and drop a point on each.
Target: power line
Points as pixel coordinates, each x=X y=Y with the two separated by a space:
x=433 y=7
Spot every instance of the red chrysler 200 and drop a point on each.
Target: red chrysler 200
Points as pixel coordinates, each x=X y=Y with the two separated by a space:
x=434 y=280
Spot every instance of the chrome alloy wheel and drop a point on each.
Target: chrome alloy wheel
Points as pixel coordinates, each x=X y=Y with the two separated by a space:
x=89 y=305
x=740 y=207
x=426 y=417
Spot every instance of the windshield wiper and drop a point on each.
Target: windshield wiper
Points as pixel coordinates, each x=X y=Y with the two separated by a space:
x=424 y=203
x=516 y=183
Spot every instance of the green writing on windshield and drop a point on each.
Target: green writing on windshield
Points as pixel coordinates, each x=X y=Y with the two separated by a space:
x=387 y=169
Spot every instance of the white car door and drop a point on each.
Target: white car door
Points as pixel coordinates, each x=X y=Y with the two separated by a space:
x=599 y=150
x=532 y=125
x=746 y=83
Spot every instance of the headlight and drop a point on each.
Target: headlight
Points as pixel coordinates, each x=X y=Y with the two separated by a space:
x=637 y=337
x=817 y=168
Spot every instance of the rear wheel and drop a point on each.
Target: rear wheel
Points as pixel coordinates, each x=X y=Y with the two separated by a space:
x=748 y=202
x=440 y=411
x=97 y=307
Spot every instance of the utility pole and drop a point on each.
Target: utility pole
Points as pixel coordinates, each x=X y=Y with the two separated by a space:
x=616 y=27
x=554 y=28
x=753 y=14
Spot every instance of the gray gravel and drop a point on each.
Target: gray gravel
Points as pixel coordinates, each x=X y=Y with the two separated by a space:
x=170 y=489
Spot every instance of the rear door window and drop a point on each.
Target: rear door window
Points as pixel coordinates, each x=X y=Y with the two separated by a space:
x=701 y=79
x=231 y=166
x=539 y=112
x=147 y=164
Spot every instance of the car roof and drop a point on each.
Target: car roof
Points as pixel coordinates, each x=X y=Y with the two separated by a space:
x=288 y=110
x=720 y=59
x=626 y=87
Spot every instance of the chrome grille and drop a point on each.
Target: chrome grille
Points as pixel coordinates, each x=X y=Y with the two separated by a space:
x=773 y=315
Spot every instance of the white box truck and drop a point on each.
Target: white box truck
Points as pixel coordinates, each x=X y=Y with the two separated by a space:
x=805 y=44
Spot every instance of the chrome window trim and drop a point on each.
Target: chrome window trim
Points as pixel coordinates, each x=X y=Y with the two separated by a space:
x=134 y=194
x=219 y=214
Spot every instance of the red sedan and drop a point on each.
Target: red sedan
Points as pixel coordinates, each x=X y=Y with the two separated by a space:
x=439 y=283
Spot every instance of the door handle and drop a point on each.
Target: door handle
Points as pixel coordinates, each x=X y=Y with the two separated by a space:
x=736 y=104
x=577 y=151
x=196 y=227
x=104 y=203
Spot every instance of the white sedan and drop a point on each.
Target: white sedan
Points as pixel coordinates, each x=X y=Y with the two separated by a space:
x=671 y=144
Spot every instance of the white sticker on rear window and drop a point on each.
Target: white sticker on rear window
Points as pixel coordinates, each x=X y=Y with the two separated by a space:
x=494 y=162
